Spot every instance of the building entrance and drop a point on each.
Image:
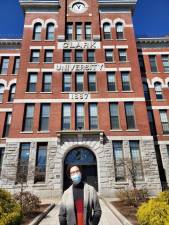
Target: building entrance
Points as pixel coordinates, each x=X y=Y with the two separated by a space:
x=84 y=157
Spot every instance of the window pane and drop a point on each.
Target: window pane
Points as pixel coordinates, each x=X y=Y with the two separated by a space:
x=50 y=32
x=118 y=161
x=91 y=56
x=88 y=31
x=158 y=90
x=41 y=156
x=67 y=55
x=78 y=31
x=37 y=32
x=109 y=55
x=48 y=56
x=114 y=115
x=66 y=116
x=165 y=60
x=47 y=82
x=1 y=92
x=12 y=93
x=107 y=31
x=92 y=81
x=79 y=116
x=153 y=63
x=66 y=82
x=44 y=117
x=137 y=170
x=119 y=31
x=4 y=65
x=16 y=65
x=69 y=31
x=28 y=117
x=78 y=56
x=79 y=81
x=122 y=55
x=2 y=150
x=93 y=116
x=129 y=109
x=23 y=161
x=7 y=124
x=35 y=54
x=32 y=80
x=125 y=76
x=164 y=121
x=111 y=82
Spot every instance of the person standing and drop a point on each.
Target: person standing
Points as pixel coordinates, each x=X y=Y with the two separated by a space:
x=79 y=204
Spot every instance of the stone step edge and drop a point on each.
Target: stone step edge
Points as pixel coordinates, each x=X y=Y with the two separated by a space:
x=40 y=217
x=116 y=212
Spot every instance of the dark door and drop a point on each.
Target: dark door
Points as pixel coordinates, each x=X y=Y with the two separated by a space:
x=87 y=160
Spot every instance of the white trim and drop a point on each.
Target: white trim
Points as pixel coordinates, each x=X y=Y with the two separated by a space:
x=108 y=46
x=119 y=20
x=9 y=54
x=38 y=20
x=28 y=26
x=47 y=70
x=31 y=139
x=162 y=142
x=48 y=47
x=122 y=46
x=125 y=69
x=154 y=53
x=79 y=100
x=110 y=69
x=51 y=20
x=158 y=107
x=126 y=138
x=6 y=109
x=46 y=12
x=13 y=81
x=106 y=20
x=4 y=82
x=33 y=70
x=117 y=12
x=36 y=47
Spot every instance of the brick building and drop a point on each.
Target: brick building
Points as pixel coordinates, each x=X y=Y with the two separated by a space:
x=72 y=91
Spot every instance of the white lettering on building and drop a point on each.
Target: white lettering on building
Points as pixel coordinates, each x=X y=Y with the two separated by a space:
x=79 y=96
x=79 y=45
x=79 y=67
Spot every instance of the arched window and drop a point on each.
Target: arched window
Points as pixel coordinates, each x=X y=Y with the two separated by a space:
x=50 y=35
x=12 y=93
x=106 y=31
x=158 y=90
x=37 y=31
x=146 y=91
x=119 y=31
x=1 y=92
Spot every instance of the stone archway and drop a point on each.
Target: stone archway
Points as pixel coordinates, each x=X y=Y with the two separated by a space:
x=84 y=157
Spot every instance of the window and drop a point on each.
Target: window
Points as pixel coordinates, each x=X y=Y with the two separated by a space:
x=47 y=82
x=23 y=162
x=35 y=54
x=28 y=117
x=122 y=55
x=44 y=117
x=69 y=31
x=48 y=56
x=168 y=150
x=12 y=93
x=16 y=65
x=164 y=121
x=158 y=91
x=4 y=65
x=165 y=60
x=7 y=124
x=1 y=92
x=93 y=117
x=41 y=156
x=119 y=31
x=79 y=56
x=118 y=161
x=66 y=82
x=88 y=31
x=111 y=81
x=153 y=63
x=32 y=80
x=91 y=55
x=78 y=31
x=125 y=77
x=66 y=55
x=109 y=55
x=137 y=169
x=146 y=91
x=92 y=81
x=37 y=32
x=141 y=62
x=50 y=32
x=79 y=81
x=106 y=31
x=151 y=122
x=66 y=116
x=114 y=116
x=79 y=116
x=130 y=117
x=2 y=150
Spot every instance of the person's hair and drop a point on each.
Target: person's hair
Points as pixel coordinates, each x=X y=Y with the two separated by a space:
x=69 y=168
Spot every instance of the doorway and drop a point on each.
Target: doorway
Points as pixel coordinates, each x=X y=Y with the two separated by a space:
x=87 y=160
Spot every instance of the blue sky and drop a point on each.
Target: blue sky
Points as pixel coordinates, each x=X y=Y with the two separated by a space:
x=151 y=18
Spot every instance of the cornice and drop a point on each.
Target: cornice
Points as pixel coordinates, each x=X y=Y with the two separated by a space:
x=10 y=43
x=160 y=42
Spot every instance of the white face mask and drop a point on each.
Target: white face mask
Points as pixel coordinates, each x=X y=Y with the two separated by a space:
x=76 y=178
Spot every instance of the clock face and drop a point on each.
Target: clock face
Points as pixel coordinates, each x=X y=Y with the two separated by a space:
x=78 y=7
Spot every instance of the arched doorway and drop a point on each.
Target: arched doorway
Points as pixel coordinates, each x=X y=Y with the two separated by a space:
x=84 y=157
